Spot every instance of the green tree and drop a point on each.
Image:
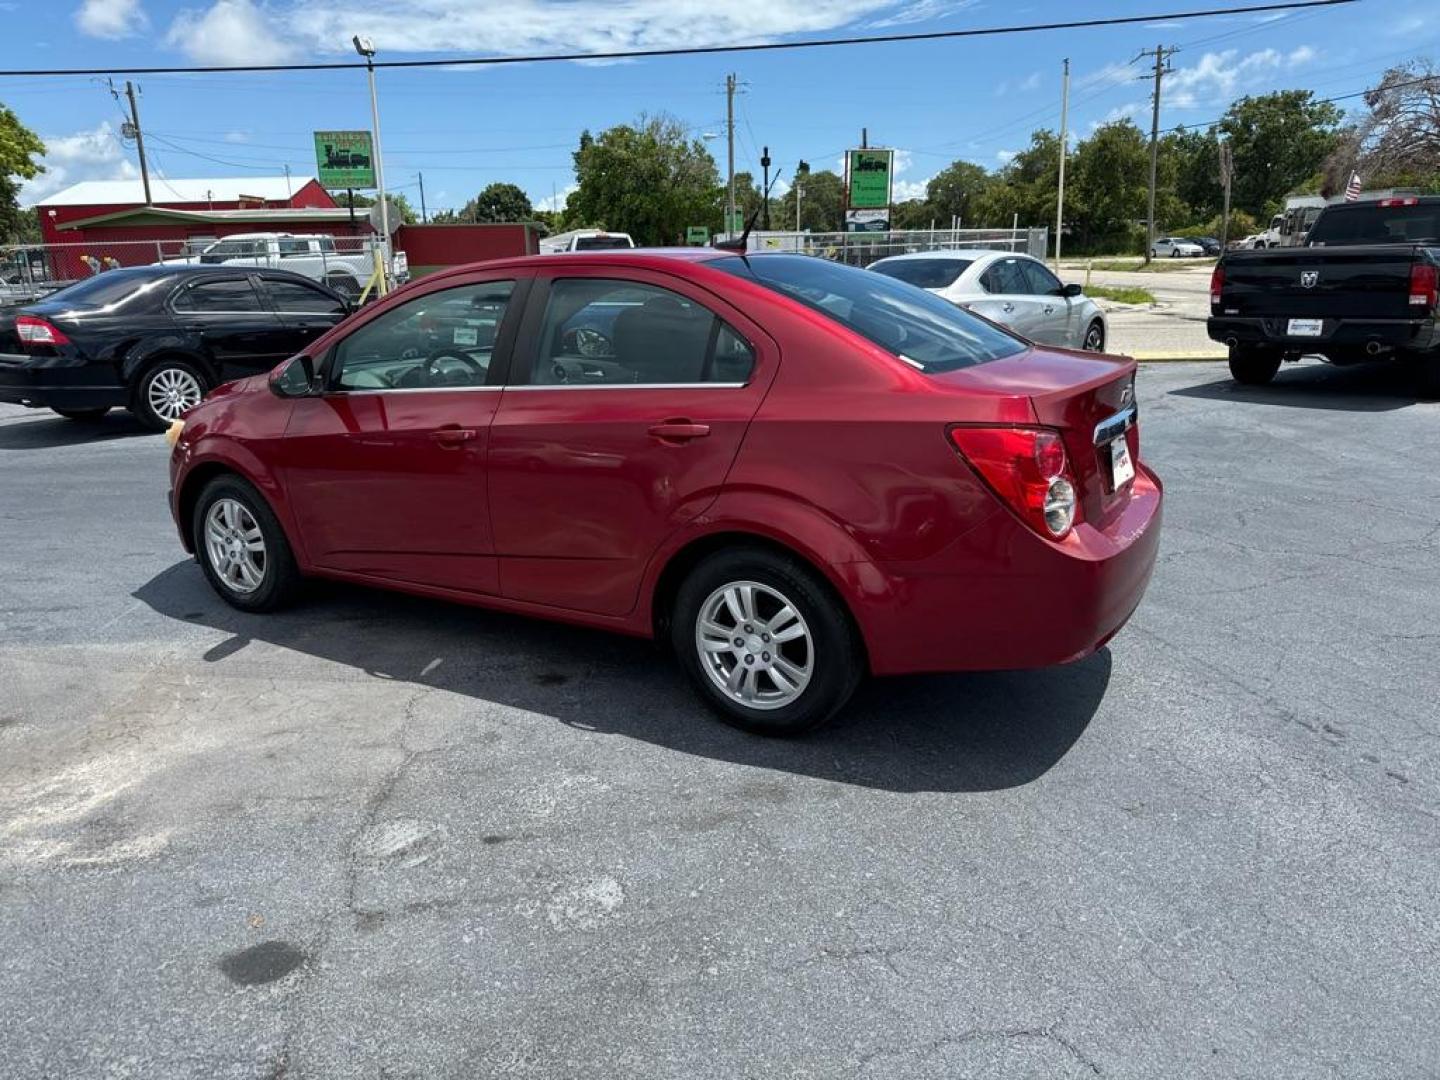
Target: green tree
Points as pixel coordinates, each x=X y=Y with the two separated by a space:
x=1107 y=188
x=647 y=179
x=1278 y=142
x=364 y=202
x=499 y=202
x=957 y=189
x=822 y=200
x=1194 y=157
x=19 y=149
x=748 y=199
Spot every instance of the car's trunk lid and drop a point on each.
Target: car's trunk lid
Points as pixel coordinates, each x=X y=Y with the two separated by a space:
x=1089 y=398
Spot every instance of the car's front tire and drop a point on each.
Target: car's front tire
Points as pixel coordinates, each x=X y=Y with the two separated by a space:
x=766 y=643
x=241 y=547
x=1094 y=337
x=1253 y=368
x=166 y=390
x=82 y=415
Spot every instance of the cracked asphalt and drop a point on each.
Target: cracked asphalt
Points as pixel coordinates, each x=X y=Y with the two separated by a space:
x=382 y=837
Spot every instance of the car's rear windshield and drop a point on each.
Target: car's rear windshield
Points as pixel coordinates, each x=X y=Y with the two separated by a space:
x=602 y=243
x=102 y=290
x=1372 y=223
x=926 y=273
x=920 y=328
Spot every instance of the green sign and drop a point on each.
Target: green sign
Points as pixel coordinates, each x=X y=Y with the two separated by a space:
x=344 y=159
x=869 y=174
x=697 y=236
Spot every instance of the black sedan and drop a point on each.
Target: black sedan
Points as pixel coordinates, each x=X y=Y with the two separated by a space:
x=155 y=339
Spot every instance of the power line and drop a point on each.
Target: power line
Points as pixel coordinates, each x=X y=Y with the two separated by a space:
x=695 y=50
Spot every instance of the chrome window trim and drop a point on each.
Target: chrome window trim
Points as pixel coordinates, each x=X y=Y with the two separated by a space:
x=415 y=390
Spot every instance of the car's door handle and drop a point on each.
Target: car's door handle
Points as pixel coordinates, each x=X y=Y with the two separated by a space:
x=679 y=430
x=453 y=435
x=1049 y=309
x=1007 y=307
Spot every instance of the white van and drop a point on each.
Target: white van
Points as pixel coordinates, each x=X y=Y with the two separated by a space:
x=585 y=240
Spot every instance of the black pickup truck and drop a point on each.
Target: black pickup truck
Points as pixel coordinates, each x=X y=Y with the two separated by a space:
x=1366 y=285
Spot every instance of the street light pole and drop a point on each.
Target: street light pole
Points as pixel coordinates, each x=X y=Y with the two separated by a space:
x=1064 y=145
x=366 y=48
x=730 y=153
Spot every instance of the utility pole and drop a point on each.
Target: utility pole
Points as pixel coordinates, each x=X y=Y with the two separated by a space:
x=1064 y=146
x=730 y=153
x=1162 y=59
x=765 y=191
x=1227 y=172
x=139 y=136
x=424 y=218
x=801 y=171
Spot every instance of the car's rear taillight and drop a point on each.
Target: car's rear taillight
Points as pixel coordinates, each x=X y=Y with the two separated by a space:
x=1217 y=283
x=1424 y=286
x=1028 y=469
x=36 y=331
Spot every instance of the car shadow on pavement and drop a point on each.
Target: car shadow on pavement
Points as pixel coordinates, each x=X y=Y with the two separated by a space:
x=969 y=732
x=49 y=430
x=1374 y=387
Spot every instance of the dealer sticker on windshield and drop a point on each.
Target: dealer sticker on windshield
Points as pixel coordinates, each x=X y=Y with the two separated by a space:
x=1122 y=469
x=1305 y=327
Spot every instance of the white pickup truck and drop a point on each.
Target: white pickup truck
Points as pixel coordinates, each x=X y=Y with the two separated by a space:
x=314 y=255
x=585 y=240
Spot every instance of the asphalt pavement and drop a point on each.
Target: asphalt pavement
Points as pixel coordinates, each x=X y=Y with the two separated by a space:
x=384 y=837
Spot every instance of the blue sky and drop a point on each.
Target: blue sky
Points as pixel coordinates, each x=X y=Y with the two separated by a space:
x=975 y=99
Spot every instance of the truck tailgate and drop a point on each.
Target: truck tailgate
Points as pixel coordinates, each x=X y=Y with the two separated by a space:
x=1338 y=283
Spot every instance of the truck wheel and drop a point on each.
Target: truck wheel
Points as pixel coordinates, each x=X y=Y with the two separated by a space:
x=344 y=284
x=1427 y=376
x=1253 y=368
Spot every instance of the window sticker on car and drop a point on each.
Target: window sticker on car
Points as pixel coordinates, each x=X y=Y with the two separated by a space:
x=466 y=335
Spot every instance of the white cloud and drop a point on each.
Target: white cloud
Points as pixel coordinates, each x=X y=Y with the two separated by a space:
x=1219 y=76
x=909 y=190
x=246 y=31
x=111 y=18
x=922 y=11
x=1112 y=74
x=555 y=201
x=1303 y=55
x=237 y=136
x=229 y=32
x=1031 y=81
x=1004 y=157
x=903 y=160
x=97 y=154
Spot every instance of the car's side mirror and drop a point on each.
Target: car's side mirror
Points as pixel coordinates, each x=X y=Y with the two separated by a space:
x=294 y=378
x=1069 y=292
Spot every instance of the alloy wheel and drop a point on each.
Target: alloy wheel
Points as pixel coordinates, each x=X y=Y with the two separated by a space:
x=172 y=391
x=1094 y=338
x=235 y=545
x=755 y=645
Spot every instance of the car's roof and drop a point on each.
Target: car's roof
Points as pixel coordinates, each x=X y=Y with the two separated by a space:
x=196 y=269
x=967 y=254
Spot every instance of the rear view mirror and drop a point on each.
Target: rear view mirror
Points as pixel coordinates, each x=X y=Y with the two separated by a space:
x=1071 y=291
x=294 y=378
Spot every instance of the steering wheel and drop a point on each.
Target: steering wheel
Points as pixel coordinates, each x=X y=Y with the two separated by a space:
x=431 y=365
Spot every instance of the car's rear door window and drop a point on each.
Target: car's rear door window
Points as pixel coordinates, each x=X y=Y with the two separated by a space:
x=613 y=332
x=293 y=297
x=1006 y=278
x=918 y=327
x=229 y=296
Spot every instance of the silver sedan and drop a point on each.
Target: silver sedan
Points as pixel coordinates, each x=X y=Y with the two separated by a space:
x=1016 y=290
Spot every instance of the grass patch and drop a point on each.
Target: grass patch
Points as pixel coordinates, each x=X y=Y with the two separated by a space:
x=1157 y=266
x=1126 y=295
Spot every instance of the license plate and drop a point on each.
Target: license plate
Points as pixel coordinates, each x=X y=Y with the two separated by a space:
x=1305 y=327
x=1122 y=469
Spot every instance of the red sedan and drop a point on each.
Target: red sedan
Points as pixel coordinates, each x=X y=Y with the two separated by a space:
x=791 y=471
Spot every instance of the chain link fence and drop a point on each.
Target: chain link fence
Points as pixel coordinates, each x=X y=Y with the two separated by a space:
x=864 y=248
x=32 y=271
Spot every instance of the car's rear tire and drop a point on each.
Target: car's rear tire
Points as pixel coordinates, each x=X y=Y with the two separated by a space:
x=800 y=656
x=1094 y=337
x=241 y=547
x=1253 y=368
x=344 y=284
x=85 y=416
x=166 y=390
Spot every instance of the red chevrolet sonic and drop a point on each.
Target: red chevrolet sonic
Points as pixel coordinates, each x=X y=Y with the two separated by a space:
x=791 y=471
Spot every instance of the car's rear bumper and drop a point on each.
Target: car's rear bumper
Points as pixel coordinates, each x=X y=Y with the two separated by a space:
x=1043 y=603
x=1349 y=337
x=26 y=380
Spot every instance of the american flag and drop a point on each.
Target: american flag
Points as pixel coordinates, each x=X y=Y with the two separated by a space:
x=1352 y=189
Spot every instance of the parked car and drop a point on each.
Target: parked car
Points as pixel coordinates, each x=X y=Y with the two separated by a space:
x=315 y=256
x=155 y=339
x=1367 y=286
x=1174 y=247
x=1015 y=290
x=791 y=471
x=1208 y=244
x=584 y=240
x=1246 y=243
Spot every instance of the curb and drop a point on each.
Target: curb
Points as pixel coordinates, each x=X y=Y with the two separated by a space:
x=1180 y=356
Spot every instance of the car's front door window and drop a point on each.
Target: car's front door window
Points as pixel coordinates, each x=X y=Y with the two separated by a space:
x=437 y=341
